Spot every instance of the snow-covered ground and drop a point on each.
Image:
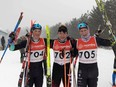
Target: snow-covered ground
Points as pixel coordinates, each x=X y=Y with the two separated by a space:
x=10 y=68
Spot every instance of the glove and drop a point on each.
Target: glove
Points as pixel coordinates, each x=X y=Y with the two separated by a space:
x=12 y=36
x=98 y=32
x=113 y=78
x=27 y=35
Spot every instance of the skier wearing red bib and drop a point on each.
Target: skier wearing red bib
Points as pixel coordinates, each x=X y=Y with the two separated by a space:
x=114 y=71
x=87 y=53
x=62 y=57
x=37 y=54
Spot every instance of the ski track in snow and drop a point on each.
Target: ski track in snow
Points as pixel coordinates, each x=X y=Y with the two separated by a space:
x=10 y=68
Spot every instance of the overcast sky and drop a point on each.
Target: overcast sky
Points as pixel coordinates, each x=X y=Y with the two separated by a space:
x=45 y=12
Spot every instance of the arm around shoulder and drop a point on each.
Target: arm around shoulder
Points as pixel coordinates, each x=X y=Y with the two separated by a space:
x=103 y=42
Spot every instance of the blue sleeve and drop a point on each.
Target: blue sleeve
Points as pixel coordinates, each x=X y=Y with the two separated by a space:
x=12 y=47
x=21 y=45
x=114 y=78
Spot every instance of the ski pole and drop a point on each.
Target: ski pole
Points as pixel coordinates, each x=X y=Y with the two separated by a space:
x=65 y=79
x=70 y=71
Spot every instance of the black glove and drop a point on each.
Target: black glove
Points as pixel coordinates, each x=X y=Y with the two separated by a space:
x=12 y=36
x=27 y=35
x=98 y=32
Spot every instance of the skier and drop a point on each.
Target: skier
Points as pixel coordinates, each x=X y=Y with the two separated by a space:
x=114 y=71
x=87 y=47
x=37 y=54
x=63 y=53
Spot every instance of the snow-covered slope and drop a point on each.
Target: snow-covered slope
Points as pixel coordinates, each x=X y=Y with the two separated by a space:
x=10 y=68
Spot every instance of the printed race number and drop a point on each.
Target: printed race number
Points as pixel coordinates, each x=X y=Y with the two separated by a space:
x=59 y=55
x=87 y=54
x=37 y=54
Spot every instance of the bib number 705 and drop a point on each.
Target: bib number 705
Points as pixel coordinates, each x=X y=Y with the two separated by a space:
x=87 y=54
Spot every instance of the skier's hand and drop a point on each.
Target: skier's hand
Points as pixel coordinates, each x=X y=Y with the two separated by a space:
x=98 y=32
x=12 y=36
x=27 y=35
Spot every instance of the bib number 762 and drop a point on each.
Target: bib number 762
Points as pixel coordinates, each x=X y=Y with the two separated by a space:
x=59 y=55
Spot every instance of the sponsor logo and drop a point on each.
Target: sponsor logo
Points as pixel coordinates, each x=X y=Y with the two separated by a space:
x=37 y=46
x=62 y=47
x=86 y=46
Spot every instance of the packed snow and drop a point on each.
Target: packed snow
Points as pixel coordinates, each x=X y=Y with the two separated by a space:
x=10 y=68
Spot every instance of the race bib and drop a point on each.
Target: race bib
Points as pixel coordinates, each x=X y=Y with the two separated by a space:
x=88 y=56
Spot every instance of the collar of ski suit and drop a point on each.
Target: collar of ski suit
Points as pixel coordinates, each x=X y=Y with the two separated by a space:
x=35 y=40
x=86 y=38
x=62 y=41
